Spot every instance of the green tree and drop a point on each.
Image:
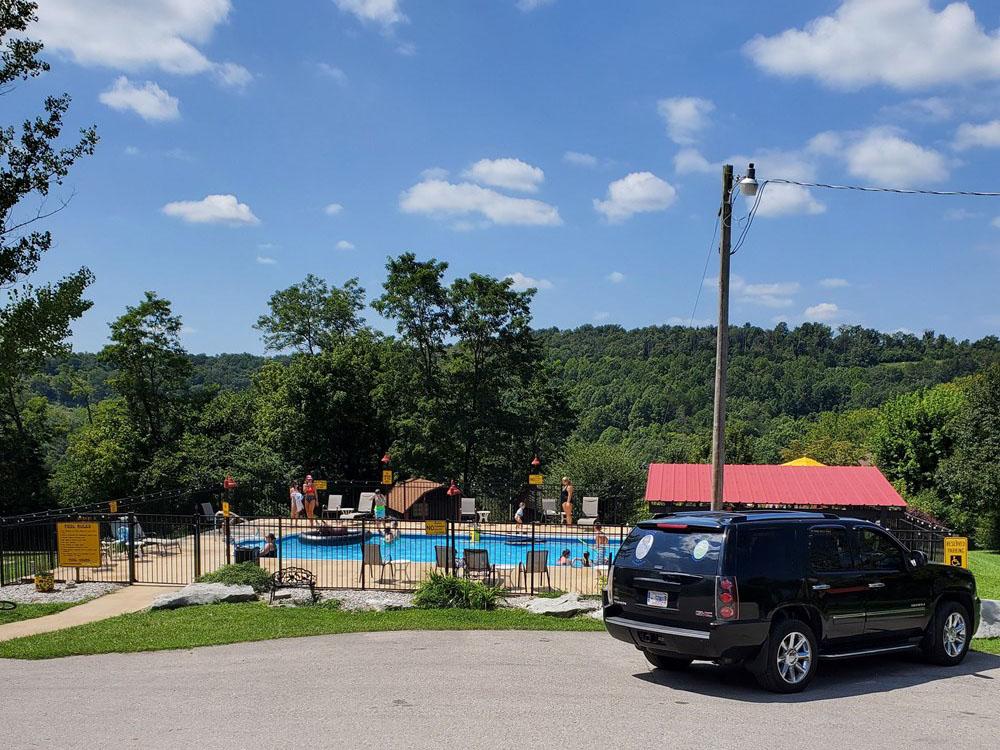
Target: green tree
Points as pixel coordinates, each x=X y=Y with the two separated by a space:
x=151 y=369
x=610 y=472
x=311 y=316
x=34 y=320
x=838 y=439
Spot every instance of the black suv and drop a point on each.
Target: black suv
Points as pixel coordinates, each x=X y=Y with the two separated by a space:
x=778 y=590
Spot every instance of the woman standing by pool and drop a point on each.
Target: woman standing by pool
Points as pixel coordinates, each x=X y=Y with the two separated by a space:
x=309 y=490
x=566 y=496
x=295 y=502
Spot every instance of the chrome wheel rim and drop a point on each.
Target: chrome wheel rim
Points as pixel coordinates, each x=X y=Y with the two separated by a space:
x=954 y=634
x=794 y=658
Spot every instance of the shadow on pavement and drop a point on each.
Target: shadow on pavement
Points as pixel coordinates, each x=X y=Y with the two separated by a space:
x=835 y=679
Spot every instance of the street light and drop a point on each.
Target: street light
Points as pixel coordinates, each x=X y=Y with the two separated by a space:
x=748 y=185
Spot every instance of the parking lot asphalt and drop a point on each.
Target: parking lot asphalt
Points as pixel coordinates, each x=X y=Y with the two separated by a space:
x=480 y=690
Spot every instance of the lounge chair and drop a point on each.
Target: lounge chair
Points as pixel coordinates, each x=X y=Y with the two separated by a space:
x=476 y=563
x=537 y=563
x=208 y=513
x=442 y=561
x=372 y=557
x=550 y=510
x=468 y=508
x=589 y=517
x=366 y=502
x=333 y=503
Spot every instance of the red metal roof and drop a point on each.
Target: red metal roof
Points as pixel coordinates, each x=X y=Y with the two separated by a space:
x=773 y=485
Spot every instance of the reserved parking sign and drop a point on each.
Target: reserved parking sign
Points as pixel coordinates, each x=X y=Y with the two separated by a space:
x=956 y=551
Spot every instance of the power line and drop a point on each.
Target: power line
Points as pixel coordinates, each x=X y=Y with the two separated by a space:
x=867 y=189
x=704 y=273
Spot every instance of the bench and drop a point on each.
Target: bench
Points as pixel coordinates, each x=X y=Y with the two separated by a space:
x=294 y=578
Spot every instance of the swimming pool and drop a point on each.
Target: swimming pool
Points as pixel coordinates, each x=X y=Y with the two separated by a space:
x=503 y=549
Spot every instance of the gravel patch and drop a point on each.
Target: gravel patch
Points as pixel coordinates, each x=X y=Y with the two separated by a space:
x=25 y=593
x=351 y=601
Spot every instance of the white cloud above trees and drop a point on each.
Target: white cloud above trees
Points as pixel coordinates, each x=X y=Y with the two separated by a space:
x=148 y=101
x=212 y=209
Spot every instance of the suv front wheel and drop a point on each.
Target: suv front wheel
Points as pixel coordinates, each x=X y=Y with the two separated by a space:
x=787 y=663
x=947 y=639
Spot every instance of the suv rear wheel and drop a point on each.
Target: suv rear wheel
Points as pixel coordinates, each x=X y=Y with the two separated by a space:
x=787 y=663
x=673 y=663
x=947 y=639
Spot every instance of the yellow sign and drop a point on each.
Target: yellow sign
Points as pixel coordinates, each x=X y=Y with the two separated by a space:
x=956 y=551
x=387 y=476
x=114 y=506
x=319 y=484
x=435 y=528
x=536 y=479
x=225 y=509
x=79 y=544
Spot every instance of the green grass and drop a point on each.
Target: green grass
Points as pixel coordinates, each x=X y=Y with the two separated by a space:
x=986 y=567
x=988 y=645
x=31 y=611
x=20 y=564
x=233 y=623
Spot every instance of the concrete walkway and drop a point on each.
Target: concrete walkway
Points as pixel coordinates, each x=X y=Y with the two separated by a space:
x=127 y=599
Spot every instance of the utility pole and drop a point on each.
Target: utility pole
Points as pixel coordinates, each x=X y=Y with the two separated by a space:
x=722 y=341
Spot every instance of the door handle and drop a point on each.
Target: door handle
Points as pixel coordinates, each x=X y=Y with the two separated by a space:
x=876 y=585
x=821 y=587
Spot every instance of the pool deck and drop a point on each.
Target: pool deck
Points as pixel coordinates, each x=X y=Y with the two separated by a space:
x=174 y=564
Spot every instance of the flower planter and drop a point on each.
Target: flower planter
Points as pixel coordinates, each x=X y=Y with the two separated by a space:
x=45 y=582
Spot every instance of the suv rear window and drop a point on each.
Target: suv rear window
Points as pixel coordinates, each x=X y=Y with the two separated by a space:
x=679 y=551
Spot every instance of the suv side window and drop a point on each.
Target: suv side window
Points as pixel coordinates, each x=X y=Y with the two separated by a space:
x=879 y=552
x=768 y=552
x=830 y=550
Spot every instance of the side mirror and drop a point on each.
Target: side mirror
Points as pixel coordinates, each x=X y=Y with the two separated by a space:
x=918 y=558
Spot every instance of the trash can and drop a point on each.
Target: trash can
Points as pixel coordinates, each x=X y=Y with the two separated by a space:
x=246 y=554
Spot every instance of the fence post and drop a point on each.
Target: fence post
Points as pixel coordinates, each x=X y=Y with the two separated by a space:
x=131 y=548
x=2 y=566
x=229 y=548
x=278 y=543
x=362 y=543
x=197 y=546
x=531 y=558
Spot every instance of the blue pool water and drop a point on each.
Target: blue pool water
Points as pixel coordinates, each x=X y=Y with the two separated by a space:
x=503 y=549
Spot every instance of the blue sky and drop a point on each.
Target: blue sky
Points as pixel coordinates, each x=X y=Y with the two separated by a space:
x=573 y=145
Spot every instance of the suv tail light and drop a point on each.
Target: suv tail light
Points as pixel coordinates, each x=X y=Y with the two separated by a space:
x=727 y=598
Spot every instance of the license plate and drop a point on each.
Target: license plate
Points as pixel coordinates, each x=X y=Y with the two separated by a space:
x=657 y=599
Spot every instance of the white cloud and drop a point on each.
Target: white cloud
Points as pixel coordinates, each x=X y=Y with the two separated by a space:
x=133 y=36
x=929 y=109
x=384 y=12
x=827 y=143
x=690 y=160
x=512 y=174
x=132 y=151
x=406 y=49
x=616 y=277
x=834 y=283
x=885 y=157
x=529 y=5
x=264 y=260
x=601 y=316
x=446 y=199
x=520 y=282
x=768 y=294
x=635 y=193
x=996 y=222
x=148 y=101
x=686 y=117
x=985 y=135
x=823 y=312
x=434 y=173
x=961 y=214
x=580 y=159
x=332 y=71
x=212 y=209
x=345 y=245
x=905 y=44
x=332 y=209
x=188 y=330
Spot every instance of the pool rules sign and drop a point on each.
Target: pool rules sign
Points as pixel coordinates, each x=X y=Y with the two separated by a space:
x=79 y=544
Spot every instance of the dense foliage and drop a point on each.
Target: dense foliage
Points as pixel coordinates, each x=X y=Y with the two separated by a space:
x=441 y=591
x=240 y=574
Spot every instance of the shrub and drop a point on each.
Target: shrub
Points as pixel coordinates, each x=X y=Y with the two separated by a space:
x=242 y=574
x=450 y=592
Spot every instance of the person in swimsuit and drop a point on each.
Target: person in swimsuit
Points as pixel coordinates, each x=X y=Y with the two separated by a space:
x=270 y=548
x=565 y=559
x=297 y=503
x=292 y=491
x=519 y=513
x=309 y=491
x=566 y=498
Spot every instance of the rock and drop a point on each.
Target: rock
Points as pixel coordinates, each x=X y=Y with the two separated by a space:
x=989 y=626
x=567 y=605
x=597 y=614
x=204 y=593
